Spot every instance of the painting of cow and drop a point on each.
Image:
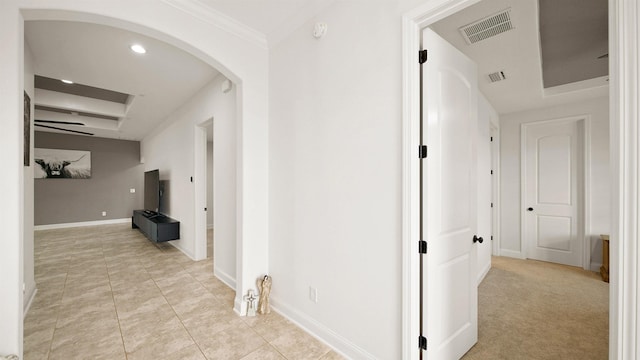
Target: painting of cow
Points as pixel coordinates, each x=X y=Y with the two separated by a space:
x=62 y=164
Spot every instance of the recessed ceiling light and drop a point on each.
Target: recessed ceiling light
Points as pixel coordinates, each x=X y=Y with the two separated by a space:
x=67 y=81
x=138 y=49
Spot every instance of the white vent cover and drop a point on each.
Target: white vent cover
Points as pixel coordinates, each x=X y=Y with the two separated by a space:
x=488 y=27
x=497 y=76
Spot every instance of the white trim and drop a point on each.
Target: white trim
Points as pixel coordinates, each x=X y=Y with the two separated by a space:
x=495 y=182
x=321 y=332
x=81 y=224
x=214 y=17
x=624 y=98
x=28 y=304
x=512 y=254
x=484 y=273
x=200 y=188
x=182 y=250
x=410 y=190
x=225 y=278
x=584 y=194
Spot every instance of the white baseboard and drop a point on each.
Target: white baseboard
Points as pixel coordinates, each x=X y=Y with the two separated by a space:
x=80 y=224
x=484 y=273
x=224 y=277
x=185 y=252
x=512 y=254
x=338 y=343
x=595 y=267
x=28 y=304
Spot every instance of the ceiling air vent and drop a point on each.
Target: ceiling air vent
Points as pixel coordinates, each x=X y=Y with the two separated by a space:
x=497 y=76
x=488 y=27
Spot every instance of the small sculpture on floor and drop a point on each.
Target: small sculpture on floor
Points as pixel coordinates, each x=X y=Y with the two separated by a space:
x=263 y=303
x=250 y=298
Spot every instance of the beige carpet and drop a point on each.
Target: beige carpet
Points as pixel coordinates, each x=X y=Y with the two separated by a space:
x=536 y=310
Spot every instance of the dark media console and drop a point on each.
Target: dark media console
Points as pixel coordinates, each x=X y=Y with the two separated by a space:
x=155 y=227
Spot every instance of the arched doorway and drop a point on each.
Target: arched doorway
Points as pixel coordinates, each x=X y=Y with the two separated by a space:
x=237 y=52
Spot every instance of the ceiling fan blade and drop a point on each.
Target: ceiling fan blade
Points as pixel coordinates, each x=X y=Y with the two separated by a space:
x=59 y=122
x=61 y=129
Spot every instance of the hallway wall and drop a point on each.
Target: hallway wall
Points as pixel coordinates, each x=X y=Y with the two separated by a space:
x=335 y=135
x=170 y=148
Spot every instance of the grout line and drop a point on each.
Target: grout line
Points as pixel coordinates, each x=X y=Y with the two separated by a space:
x=115 y=308
x=64 y=289
x=196 y=273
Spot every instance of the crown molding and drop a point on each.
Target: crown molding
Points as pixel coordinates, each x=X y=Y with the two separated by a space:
x=211 y=16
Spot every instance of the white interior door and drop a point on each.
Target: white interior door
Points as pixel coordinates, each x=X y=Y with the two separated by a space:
x=551 y=164
x=449 y=193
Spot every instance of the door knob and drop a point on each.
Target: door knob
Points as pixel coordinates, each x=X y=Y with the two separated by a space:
x=530 y=209
x=477 y=239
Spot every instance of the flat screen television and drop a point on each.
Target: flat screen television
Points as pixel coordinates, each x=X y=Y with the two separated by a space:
x=152 y=191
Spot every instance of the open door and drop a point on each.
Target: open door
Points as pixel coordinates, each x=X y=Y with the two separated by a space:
x=449 y=196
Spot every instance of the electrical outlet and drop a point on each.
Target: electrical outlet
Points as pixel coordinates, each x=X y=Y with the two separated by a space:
x=132 y=190
x=313 y=294
x=104 y=213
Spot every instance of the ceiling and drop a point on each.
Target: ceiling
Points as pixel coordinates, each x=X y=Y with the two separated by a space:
x=157 y=83
x=571 y=43
x=273 y=18
x=154 y=84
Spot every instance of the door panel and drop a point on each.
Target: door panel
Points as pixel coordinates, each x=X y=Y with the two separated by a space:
x=551 y=186
x=449 y=190
x=554 y=170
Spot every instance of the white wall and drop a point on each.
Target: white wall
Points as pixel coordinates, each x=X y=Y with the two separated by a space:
x=29 y=279
x=335 y=132
x=12 y=182
x=171 y=148
x=510 y=124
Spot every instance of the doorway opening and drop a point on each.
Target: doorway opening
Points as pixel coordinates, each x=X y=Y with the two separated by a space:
x=203 y=195
x=423 y=17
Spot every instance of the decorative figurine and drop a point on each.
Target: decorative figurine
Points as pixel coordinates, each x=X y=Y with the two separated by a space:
x=250 y=298
x=263 y=303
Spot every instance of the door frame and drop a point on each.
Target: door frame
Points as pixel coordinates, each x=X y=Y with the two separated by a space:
x=201 y=188
x=584 y=188
x=624 y=98
x=495 y=188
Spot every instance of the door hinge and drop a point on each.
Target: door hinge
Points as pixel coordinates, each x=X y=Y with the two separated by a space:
x=491 y=172
x=422 y=151
x=491 y=204
x=491 y=138
x=422 y=247
x=422 y=342
x=491 y=237
x=422 y=56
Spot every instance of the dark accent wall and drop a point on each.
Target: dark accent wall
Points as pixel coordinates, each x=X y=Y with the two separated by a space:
x=115 y=169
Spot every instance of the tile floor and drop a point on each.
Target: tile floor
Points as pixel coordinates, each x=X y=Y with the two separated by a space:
x=106 y=292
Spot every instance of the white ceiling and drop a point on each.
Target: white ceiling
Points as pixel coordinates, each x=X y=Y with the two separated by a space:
x=160 y=80
x=274 y=18
x=165 y=77
x=517 y=53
